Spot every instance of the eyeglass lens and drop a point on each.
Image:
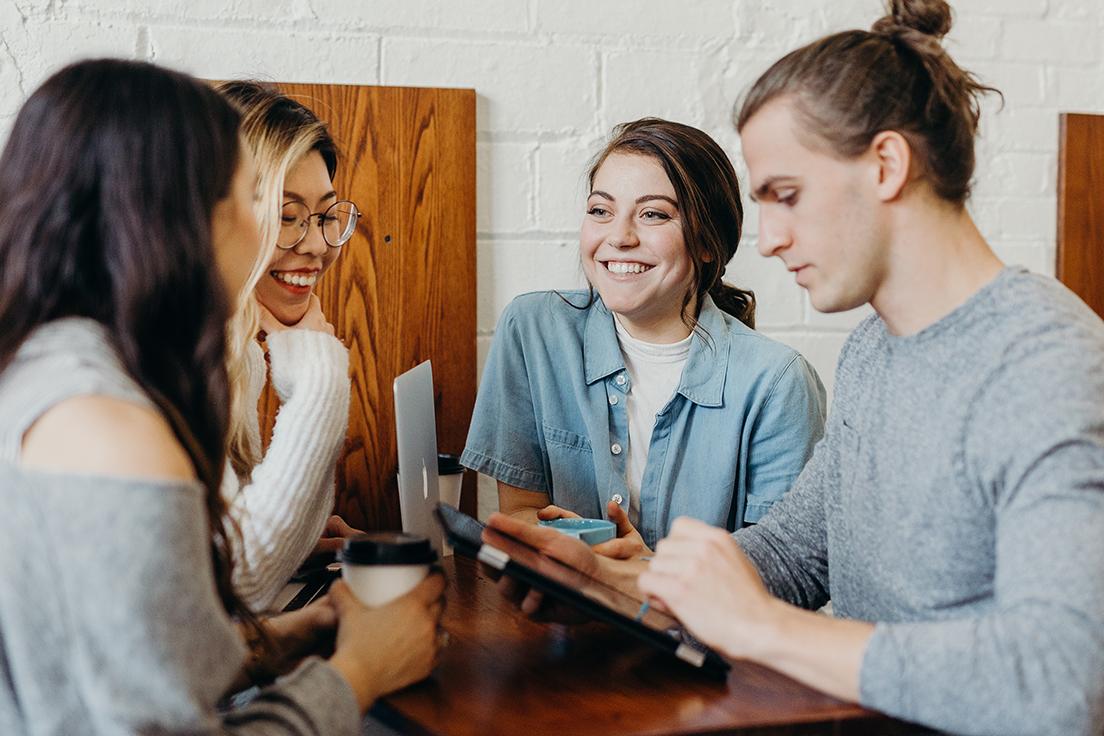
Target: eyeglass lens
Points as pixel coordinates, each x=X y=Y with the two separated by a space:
x=338 y=223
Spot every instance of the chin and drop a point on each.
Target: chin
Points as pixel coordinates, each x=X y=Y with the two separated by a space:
x=619 y=305
x=831 y=303
x=287 y=314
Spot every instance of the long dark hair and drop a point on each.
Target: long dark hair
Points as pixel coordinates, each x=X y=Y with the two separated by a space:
x=848 y=87
x=708 y=194
x=108 y=183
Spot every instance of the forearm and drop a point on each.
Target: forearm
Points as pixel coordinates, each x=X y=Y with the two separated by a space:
x=316 y=699
x=822 y=652
x=278 y=528
x=1037 y=669
x=361 y=684
x=284 y=507
x=519 y=503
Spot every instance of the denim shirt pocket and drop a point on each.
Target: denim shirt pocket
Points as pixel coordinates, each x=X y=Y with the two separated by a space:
x=571 y=461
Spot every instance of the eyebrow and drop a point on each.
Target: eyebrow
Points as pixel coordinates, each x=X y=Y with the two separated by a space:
x=639 y=200
x=295 y=195
x=762 y=189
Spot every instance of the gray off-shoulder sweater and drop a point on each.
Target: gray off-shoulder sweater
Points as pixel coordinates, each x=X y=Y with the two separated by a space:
x=109 y=618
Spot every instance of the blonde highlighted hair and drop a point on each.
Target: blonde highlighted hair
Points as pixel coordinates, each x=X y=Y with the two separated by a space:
x=278 y=131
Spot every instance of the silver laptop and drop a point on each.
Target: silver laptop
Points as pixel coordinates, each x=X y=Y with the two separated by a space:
x=416 y=431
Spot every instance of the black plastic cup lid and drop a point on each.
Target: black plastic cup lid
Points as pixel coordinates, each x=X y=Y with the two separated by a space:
x=448 y=464
x=388 y=548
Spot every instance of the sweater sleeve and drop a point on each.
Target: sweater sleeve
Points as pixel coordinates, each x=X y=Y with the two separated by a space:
x=1034 y=662
x=152 y=647
x=282 y=510
x=789 y=546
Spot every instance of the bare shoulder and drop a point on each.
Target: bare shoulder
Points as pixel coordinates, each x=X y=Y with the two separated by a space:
x=100 y=435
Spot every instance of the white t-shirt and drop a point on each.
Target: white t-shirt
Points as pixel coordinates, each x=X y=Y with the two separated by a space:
x=655 y=372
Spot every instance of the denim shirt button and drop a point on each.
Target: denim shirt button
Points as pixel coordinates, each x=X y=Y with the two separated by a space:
x=613 y=400
x=618 y=499
x=615 y=448
x=620 y=380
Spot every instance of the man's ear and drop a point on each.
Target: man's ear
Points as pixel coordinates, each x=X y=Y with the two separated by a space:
x=893 y=155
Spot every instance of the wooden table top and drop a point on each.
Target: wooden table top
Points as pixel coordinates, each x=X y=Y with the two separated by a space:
x=505 y=674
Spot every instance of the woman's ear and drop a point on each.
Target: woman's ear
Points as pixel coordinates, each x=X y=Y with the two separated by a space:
x=893 y=155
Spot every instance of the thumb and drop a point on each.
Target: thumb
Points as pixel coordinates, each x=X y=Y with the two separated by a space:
x=555 y=512
x=618 y=549
x=338 y=527
x=342 y=599
x=330 y=544
x=323 y=613
x=618 y=516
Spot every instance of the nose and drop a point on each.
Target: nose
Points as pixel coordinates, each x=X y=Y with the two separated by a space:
x=623 y=234
x=774 y=235
x=313 y=243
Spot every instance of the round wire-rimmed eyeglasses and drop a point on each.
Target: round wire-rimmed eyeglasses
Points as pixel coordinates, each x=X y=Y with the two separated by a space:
x=338 y=223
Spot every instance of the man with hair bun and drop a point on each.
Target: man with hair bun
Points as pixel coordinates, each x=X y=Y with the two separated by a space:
x=954 y=511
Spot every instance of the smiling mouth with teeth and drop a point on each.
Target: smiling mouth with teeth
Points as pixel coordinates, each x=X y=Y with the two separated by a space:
x=294 y=278
x=621 y=267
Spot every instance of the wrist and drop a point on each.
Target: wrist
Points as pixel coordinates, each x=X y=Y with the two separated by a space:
x=766 y=639
x=621 y=574
x=360 y=681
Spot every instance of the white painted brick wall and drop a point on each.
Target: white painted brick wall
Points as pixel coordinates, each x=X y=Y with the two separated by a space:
x=553 y=75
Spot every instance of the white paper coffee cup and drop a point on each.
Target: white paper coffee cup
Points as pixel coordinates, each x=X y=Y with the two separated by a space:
x=450 y=479
x=383 y=566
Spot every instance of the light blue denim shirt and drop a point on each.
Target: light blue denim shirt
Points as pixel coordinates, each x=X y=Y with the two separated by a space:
x=729 y=443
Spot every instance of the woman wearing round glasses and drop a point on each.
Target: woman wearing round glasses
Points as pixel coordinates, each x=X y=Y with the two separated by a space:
x=282 y=501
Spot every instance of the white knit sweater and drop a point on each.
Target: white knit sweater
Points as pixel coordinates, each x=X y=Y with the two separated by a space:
x=282 y=507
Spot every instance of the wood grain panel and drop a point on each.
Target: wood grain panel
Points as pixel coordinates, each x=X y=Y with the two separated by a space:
x=404 y=289
x=1081 y=207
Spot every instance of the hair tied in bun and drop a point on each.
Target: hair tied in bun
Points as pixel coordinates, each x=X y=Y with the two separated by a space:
x=928 y=17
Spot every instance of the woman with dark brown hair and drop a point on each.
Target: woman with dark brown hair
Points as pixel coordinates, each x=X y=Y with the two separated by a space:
x=650 y=395
x=126 y=235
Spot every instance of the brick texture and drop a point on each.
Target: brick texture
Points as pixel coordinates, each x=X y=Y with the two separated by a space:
x=553 y=75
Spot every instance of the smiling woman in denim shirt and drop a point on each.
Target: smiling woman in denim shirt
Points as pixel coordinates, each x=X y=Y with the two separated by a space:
x=649 y=396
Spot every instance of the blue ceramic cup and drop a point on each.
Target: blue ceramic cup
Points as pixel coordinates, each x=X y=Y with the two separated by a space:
x=591 y=531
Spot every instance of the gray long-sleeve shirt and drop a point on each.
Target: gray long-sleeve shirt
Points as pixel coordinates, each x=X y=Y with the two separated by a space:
x=957 y=500
x=109 y=618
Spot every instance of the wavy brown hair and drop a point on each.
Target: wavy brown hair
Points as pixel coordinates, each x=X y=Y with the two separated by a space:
x=848 y=87
x=708 y=195
x=108 y=183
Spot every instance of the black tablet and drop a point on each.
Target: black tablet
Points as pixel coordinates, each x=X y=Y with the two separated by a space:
x=577 y=589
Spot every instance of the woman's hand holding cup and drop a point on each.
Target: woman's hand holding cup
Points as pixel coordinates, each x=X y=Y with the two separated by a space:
x=628 y=545
x=380 y=650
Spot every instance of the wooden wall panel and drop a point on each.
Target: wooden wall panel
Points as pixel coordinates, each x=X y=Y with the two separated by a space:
x=404 y=289
x=1081 y=207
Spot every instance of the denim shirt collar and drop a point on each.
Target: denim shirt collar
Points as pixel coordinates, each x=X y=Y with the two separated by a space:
x=703 y=378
